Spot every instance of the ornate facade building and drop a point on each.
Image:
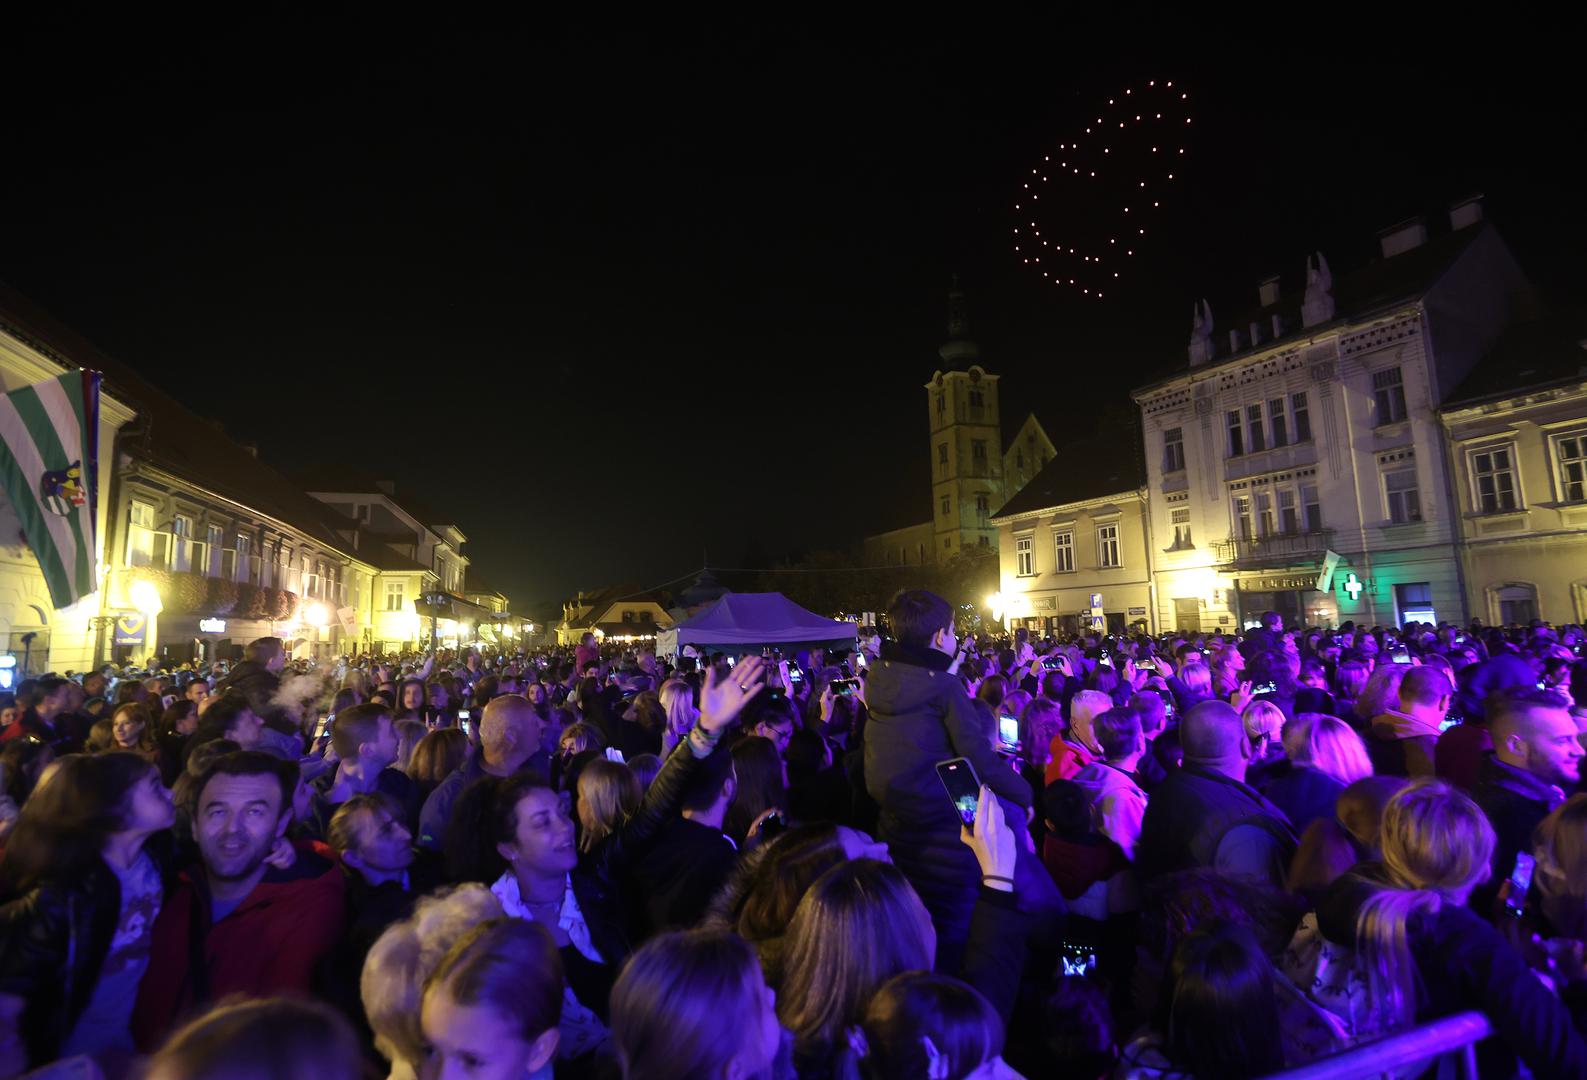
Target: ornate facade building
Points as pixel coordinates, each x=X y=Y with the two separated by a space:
x=1297 y=462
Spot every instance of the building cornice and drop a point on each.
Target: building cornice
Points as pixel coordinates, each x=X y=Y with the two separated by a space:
x=1513 y=401
x=142 y=468
x=1272 y=350
x=1138 y=494
x=38 y=362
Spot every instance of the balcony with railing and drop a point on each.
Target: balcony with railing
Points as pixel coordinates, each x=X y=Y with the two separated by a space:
x=1274 y=549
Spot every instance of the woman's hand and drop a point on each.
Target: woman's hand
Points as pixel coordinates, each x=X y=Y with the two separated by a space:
x=724 y=696
x=283 y=856
x=992 y=841
x=1242 y=696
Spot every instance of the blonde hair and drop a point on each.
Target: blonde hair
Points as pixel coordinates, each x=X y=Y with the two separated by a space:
x=1262 y=720
x=1329 y=745
x=1436 y=847
x=1197 y=678
x=677 y=701
x=1382 y=691
x=392 y=984
x=608 y=796
x=1560 y=846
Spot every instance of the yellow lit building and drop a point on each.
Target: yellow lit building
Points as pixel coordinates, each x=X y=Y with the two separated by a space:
x=1079 y=530
x=1517 y=445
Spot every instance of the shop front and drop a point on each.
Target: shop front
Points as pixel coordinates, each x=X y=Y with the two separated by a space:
x=1292 y=593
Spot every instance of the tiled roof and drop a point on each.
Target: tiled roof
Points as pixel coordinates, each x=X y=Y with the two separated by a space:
x=1529 y=354
x=1379 y=285
x=1078 y=473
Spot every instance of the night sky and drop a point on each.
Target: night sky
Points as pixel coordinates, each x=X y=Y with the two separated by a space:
x=615 y=296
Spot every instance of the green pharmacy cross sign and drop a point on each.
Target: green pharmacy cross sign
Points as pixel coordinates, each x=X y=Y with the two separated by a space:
x=1353 y=586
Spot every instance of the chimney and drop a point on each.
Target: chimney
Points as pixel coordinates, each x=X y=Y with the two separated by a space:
x=1407 y=235
x=1256 y=334
x=1236 y=341
x=387 y=487
x=1268 y=291
x=1201 y=346
x=252 y=449
x=1278 y=326
x=1466 y=212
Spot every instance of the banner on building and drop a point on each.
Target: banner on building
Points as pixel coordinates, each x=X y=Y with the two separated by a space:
x=131 y=629
x=49 y=467
x=1325 y=580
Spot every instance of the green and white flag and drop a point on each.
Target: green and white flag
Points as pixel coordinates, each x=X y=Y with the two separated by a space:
x=49 y=466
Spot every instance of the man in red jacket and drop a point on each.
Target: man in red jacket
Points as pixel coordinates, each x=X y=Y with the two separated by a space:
x=234 y=924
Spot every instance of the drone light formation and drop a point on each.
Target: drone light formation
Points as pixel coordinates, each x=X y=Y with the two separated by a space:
x=1122 y=162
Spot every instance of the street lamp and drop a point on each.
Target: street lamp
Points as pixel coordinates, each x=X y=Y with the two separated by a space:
x=145 y=596
x=316 y=615
x=995 y=602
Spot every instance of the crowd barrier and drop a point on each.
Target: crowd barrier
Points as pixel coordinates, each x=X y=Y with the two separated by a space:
x=1451 y=1043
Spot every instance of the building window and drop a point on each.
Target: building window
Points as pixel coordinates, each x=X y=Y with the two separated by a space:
x=976 y=401
x=981 y=540
x=1302 y=418
x=628 y=616
x=1108 y=546
x=947 y=505
x=942 y=453
x=1181 y=522
x=1063 y=546
x=1242 y=517
x=1570 y=451
x=140 y=534
x=1236 y=437
x=1517 y=605
x=215 y=541
x=947 y=542
x=244 y=558
x=1264 y=513
x=1253 y=428
x=1019 y=460
x=1288 y=519
x=1174 y=450
x=942 y=403
x=395 y=601
x=646 y=616
x=1024 y=556
x=1414 y=600
x=983 y=508
x=1494 y=476
x=920 y=552
x=1399 y=488
x=1389 y=388
x=1311 y=505
x=978 y=456
x=1277 y=421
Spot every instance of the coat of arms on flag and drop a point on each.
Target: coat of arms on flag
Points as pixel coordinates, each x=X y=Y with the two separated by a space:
x=49 y=453
x=61 y=491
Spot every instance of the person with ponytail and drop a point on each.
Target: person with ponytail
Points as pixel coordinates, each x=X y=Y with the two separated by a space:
x=1393 y=943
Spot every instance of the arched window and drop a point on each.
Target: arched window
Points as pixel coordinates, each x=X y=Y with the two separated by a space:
x=1513 y=603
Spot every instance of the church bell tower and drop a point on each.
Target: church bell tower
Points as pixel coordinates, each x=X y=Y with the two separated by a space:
x=966 y=440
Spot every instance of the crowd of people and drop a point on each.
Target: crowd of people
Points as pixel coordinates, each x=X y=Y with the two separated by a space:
x=1184 y=855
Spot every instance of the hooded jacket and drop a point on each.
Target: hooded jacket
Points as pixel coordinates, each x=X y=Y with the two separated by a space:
x=921 y=715
x=1118 y=805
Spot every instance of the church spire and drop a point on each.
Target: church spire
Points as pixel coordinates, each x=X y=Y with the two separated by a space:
x=958 y=351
